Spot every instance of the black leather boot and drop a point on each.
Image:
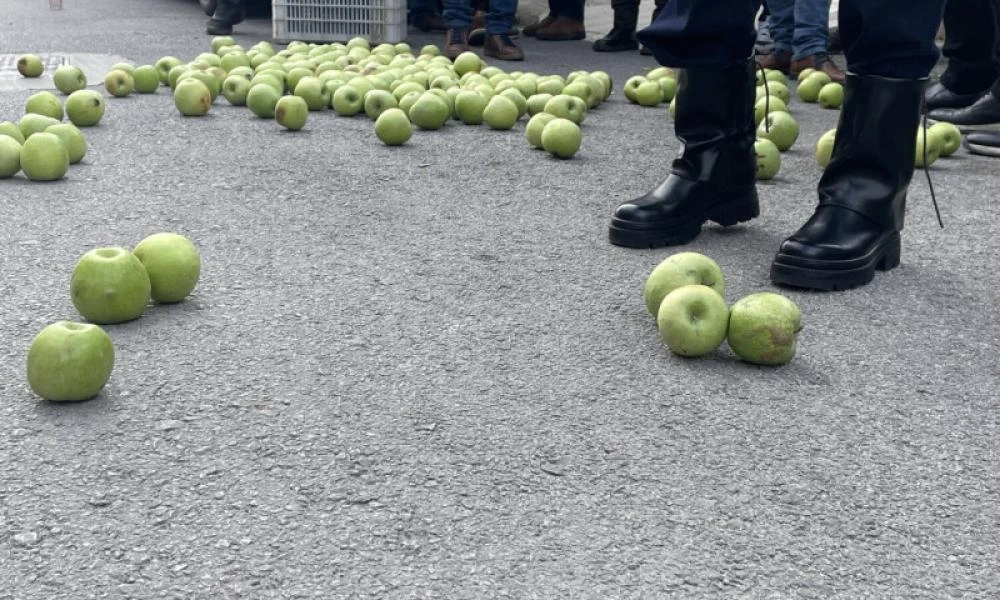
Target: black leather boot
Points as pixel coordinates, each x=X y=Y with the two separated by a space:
x=227 y=14
x=862 y=193
x=622 y=35
x=714 y=177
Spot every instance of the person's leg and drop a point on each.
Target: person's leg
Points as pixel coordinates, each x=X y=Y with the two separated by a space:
x=499 y=20
x=457 y=17
x=984 y=110
x=622 y=35
x=811 y=39
x=657 y=9
x=425 y=16
x=969 y=46
x=227 y=13
x=567 y=26
x=855 y=229
x=781 y=26
x=714 y=177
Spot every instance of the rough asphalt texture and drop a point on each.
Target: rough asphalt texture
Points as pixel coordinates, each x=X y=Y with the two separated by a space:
x=422 y=372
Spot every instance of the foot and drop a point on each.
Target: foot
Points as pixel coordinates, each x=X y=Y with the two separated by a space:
x=477 y=37
x=562 y=30
x=216 y=27
x=617 y=41
x=986 y=143
x=531 y=30
x=428 y=21
x=984 y=113
x=837 y=249
x=820 y=62
x=501 y=47
x=780 y=60
x=456 y=41
x=938 y=96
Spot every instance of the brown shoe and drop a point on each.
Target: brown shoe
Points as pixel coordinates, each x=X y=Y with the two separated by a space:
x=477 y=37
x=562 y=30
x=530 y=30
x=780 y=60
x=820 y=62
x=456 y=41
x=500 y=46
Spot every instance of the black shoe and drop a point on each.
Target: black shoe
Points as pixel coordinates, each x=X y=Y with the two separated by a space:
x=938 y=96
x=862 y=193
x=617 y=41
x=428 y=21
x=216 y=27
x=714 y=178
x=986 y=143
x=984 y=113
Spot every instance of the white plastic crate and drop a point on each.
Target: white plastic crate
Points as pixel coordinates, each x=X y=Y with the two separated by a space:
x=338 y=20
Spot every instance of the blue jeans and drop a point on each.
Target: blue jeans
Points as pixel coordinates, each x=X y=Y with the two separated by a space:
x=800 y=27
x=458 y=14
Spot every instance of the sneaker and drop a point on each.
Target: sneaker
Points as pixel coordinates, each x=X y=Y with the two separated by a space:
x=501 y=47
x=456 y=41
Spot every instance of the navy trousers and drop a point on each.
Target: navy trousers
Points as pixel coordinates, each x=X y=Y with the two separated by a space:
x=888 y=38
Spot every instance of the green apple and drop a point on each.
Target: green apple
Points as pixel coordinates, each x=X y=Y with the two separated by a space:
x=210 y=81
x=109 y=285
x=44 y=103
x=119 y=83
x=630 y=86
x=405 y=88
x=550 y=85
x=775 y=88
x=605 y=80
x=146 y=78
x=569 y=107
x=820 y=76
x=518 y=98
x=234 y=60
x=10 y=129
x=775 y=75
x=808 y=89
x=658 y=73
x=536 y=103
x=312 y=90
x=430 y=111
x=235 y=89
x=347 y=101
x=536 y=125
x=500 y=113
x=10 y=156
x=221 y=41
x=591 y=93
x=949 y=135
x=85 y=108
x=377 y=102
x=164 y=64
x=192 y=97
x=692 y=320
x=561 y=137
x=76 y=144
x=393 y=127
x=407 y=101
x=270 y=78
x=668 y=85
x=673 y=108
x=769 y=104
x=764 y=328
x=805 y=73
x=44 y=157
x=648 y=93
x=172 y=262
x=32 y=123
x=291 y=111
x=831 y=95
x=261 y=100
x=824 y=148
x=467 y=62
x=69 y=78
x=469 y=107
x=768 y=159
x=924 y=140
x=30 y=65
x=781 y=128
x=682 y=268
x=123 y=66
x=70 y=362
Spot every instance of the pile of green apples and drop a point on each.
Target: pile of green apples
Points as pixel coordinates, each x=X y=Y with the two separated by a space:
x=70 y=361
x=686 y=293
x=657 y=86
x=388 y=83
x=41 y=144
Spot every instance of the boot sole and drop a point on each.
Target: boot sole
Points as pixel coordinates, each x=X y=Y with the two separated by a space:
x=630 y=235
x=830 y=276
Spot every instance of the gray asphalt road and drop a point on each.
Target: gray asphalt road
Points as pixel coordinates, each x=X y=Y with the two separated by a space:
x=424 y=373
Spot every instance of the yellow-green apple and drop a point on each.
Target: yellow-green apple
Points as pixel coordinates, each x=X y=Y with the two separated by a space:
x=44 y=103
x=10 y=156
x=211 y=82
x=377 y=102
x=781 y=128
x=70 y=362
x=312 y=90
x=768 y=105
x=32 y=123
x=669 y=87
x=235 y=89
x=776 y=88
x=69 y=78
x=85 y=108
x=192 y=97
x=536 y=125
x=109 y=285
x=261 y=100
x=764 y=328
x=393 y=127
x=561 y=137
x=430 y=111
x=30 y=65
x=536 y=103
x=146 y=78
x=831 y=95
x=119 y=83
x=164 y=64
x=10 y=129
x=519 y=100
x=648 y=93
x=550 y=85
x=466 y=62
x=805 y=73
x=569 y=107
x=692 y=320
x=824 y=148
x=949 y=135
x=76 y=144
x=469 y=107
x=682 y=268
x=500 y=113
x=347 y=101
x=768 y=159
x=630 y=86
x=172 y=264
x=291 y=111
x=808 y=89
x=928 y=148
x=44 y=157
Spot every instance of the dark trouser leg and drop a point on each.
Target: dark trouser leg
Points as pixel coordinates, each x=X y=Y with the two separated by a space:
x=862 y=195
x=227 y=14
x=702 y=33
x=969 y=46
x=622 y=34
x=569 y=9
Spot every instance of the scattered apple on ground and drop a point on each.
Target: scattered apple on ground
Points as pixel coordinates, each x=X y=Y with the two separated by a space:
x=70 y=362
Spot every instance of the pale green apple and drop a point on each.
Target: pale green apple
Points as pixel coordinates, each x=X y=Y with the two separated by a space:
x=692 y=320
x=808 y=89
x=235 y=89
x=430 y=111
x=775 y=88
x=536 y=103
x=407 y=101
x=192 y=97
x=85 y=108
x=172 y=263
x=682 y=268
x=69 y=78
x=805 y=73
x=211 y=81
x=469 y=107
x=312 y=90
x=393 y=127
x=561 y=137
x=377 y=102
x=123 y=66
x=500 y=113
x=630 y=86
x=10 y=156
x=347 y=101
x=550 y=85
x=146 y=78
x=536 y=125
x=781 y=128
x=30 y=65
x=831 y=95
x=164 y=64
x=769 y=105
x=291 y=111
x=76 y=144
x=45 y=103
x=119 y=83
x=764 y=328
x=824 y=148
x=648 y=93
x=10 y=129
x=768 y=159
x=515 y=95
x=44 y=157
x=567 y=107
x=70 y=362
x=110 y=285
x=261 y=100
x=467 y=62
x=32 y=123
x=669 y=87
x=949 y=135
x=928 y=148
